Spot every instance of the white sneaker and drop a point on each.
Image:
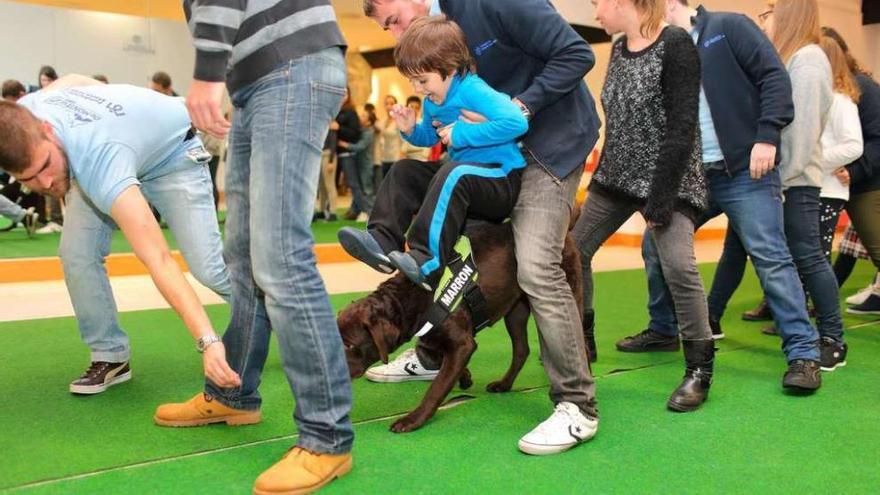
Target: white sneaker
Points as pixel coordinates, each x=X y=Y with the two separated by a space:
x=362 y=217
x=49 y=228
x=564 y=429
x=405 y=368
x=860 y=296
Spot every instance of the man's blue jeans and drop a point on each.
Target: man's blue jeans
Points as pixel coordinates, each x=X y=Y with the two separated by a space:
x=186 y=201
x=278 y=129
x=755 y=213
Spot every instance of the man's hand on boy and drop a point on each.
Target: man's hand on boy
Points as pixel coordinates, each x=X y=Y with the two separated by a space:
x=469 y=117
x=445 y=134
x=404 y=117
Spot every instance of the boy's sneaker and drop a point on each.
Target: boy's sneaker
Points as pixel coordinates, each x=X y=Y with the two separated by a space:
x=832 y=354
x=802 y=374
x=564 y=429
x=860 y=296
x=100 y=376
x=870 y=306
x=409 y=267
x=31 y=217
x=405 y=368
x=363 y=247
x=648 y=341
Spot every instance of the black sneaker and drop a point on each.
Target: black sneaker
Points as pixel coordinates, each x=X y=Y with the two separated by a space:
x=648 y=341
x=717 y=332
x=100 y=376
x=871 y=306
x=802 y=374
x=832 y=354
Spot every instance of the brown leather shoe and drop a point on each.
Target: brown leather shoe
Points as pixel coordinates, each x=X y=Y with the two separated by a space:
x=301 y=471
x=203 y=410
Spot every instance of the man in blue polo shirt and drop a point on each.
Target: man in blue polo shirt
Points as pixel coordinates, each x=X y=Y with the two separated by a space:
x=107 y=149
x=525 y=49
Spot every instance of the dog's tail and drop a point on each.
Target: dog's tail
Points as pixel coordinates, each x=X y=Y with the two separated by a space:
x=575 y=214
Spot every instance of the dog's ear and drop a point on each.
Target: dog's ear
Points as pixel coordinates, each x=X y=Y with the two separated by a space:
x=377 y=332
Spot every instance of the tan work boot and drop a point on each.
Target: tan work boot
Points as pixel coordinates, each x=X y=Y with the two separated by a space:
x=203 y=410
x=301 y=471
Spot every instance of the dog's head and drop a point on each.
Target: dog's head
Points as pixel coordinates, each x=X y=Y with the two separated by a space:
x=368 y=335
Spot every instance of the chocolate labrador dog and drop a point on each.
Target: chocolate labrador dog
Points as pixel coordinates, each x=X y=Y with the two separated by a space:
x=375 y=326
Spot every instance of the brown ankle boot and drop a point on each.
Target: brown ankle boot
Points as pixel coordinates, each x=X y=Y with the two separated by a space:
x=203 y=410
x=301 y=471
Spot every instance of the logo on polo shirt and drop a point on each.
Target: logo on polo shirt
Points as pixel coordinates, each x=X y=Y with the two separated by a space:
x=482 y=47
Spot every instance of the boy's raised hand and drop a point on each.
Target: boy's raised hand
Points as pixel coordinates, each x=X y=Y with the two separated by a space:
x=404 y=117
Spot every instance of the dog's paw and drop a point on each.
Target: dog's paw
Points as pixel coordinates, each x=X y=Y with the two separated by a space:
x=465 y=381
x=498 y=387
x=406 y=424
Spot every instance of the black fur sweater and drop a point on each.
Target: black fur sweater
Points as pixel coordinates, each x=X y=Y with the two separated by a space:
x=652 y=140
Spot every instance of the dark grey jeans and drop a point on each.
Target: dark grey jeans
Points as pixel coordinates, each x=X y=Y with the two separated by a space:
x=603 y=214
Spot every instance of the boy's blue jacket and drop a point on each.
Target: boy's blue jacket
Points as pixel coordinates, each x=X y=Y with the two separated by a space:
x=493 y=141
x=525 y=49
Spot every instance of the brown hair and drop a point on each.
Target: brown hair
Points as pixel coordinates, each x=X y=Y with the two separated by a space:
x=433 y=44
x=851 y=61
x=19 y=132
x=369 y=8
x=795 y=25
x=13 y=89
x=842 y=77
x=654 y=11
x=162 y=79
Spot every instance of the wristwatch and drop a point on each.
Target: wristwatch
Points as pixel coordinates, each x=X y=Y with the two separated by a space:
x=523 y=109
x=204 y=342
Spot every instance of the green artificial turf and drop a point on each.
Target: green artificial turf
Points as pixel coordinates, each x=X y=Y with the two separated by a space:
x=16 y=244
x=748 y=438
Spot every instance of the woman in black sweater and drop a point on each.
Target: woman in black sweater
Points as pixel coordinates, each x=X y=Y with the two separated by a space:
x=651 y=163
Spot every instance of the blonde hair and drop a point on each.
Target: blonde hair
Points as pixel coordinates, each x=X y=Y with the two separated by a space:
x=655 y=13
x=795 y=25
x=842 y=77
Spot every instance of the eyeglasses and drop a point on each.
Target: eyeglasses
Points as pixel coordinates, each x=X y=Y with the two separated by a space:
x=764 y=15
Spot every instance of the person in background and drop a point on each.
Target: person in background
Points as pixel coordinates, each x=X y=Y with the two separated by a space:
x=51 y=209
x=390 y=141
x=349 y=131
x=327 y=195
x=864 y=203
x=27 y=217
x=363 y=194
x=46 y=76
x=161 y=82
x=13 y=90
x=841 y=145
x=407 y=149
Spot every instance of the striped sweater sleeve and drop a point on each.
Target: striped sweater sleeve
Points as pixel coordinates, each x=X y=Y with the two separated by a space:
x=214 y=25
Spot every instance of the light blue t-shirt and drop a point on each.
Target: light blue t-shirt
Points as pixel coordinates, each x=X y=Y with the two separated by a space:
x=114 y=135
x=711 y=147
